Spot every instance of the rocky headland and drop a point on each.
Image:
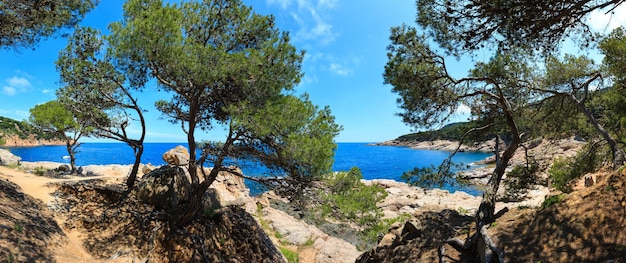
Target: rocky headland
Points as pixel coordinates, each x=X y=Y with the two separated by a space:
x=13 y=140
x=542 y=151
x=15 y=133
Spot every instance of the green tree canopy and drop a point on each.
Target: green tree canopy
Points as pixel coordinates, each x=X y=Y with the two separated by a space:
x=96 y=92
x=24 y=22
x=53 y=117
x=469 y=25
x=613 y=47
x=227 y=67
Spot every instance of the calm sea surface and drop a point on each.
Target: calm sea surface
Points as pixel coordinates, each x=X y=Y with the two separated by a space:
x=375 y=162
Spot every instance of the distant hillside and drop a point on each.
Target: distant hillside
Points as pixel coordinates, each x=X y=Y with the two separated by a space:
x=450 y=132
x=22 y=133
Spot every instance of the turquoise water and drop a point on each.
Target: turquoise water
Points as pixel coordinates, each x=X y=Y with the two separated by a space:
x=375 y=162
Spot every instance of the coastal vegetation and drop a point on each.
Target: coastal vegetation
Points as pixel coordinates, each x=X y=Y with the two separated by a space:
x=226 y=67
x=521 y=93
x=564 y=170
x=96 y=92
x=54 y=118
x=451 y=132
x=344 y=198
x=25 y=23
x=23 y=130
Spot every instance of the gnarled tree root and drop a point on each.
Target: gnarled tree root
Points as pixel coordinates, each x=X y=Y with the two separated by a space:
x=472 y=244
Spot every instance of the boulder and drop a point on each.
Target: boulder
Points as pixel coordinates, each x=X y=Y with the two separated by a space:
x=178 y=156
x=7 y=158
x=232 y=190
x=147 y=168
x=335 y=250
x=164 y=188
x=64 y=168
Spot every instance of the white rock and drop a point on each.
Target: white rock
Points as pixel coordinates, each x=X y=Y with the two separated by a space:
x=8 y=158
x=335 y=250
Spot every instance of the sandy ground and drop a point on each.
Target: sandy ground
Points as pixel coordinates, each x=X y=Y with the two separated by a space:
x=70 y=247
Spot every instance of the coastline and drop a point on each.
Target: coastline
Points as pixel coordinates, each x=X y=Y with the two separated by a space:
x=401 y=199
x=544 y=152
x=441 y=145
x=13 y=140
x=312 y=243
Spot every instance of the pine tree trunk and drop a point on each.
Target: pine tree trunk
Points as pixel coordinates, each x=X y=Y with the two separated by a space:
x=187 y=211
x=130 y=182
x=70 y=151
x=617 y=154
x=486 y=210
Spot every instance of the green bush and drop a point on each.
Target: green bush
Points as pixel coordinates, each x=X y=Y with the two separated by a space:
x=453 y=132
x=564 y=170
x=40 y=171
x=551 y=200
x=291 y=256
x=23 y=130
x=370 y=234
x=346 y=198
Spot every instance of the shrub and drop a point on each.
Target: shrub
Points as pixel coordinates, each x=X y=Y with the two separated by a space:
x=291 y=256
x=564 y=170
x=348 y=199
x=551 y=200
x=40 y=171
x=370 y=234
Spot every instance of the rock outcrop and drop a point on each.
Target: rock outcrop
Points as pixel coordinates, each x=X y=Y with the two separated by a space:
x=164 y=188
x=7 y=158
x=443 y=145
x=218 y=234
x=296 y=232
x=406 y=199
x=416 y=240
x=178 y=156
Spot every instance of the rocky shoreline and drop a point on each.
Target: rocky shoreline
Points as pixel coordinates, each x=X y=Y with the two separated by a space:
x=13 y=140
x=402 y=198
x=442 y=145
x=322 y=247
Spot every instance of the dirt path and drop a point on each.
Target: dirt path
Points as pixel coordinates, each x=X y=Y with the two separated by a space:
x=66 y=248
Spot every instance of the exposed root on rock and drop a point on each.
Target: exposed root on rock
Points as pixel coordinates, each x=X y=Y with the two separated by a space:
x=478 y=243
x=115 y=220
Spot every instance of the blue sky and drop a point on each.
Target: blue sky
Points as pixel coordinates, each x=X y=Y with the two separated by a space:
x=345 y=44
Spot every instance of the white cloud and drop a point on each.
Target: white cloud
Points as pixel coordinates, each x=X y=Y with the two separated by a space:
x=315 y=27
x=311 y=19
x=9 y=91
x=463 y=109
x=15 y=85
x=16 y=81
x=326 y=3
x=339 y=69
x=462 y=114
x=600 y=21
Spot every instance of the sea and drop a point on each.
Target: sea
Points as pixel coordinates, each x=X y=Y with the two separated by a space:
x=375 y=162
